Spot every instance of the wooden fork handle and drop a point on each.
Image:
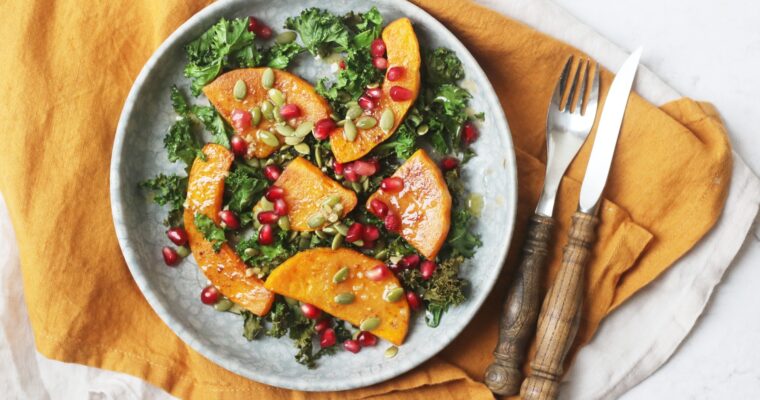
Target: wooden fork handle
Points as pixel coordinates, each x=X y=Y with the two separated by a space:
x=520 y=310
x=561 y=311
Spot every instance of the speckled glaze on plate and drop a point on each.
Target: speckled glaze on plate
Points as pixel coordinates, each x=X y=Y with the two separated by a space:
x=173 y=293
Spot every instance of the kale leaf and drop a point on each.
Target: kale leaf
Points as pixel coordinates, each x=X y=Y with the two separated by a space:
x=169 y=190
x=227 y=44
x=211 y=119
x=443 y=66
x=243 y=187
x=210 y=231
x=251 y=325
x=365 y=27
x=461 y=240
x=179 y=103
x=443 y=290
x=350 y=82
x=321 y=32
x=280 y=55
x=181 y=144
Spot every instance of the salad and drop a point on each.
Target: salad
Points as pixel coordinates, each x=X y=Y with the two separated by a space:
x=334 y=212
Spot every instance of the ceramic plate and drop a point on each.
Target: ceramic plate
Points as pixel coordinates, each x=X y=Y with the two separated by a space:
x=138 y=154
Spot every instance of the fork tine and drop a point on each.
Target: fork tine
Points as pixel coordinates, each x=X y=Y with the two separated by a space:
x=582 y=101
x=560 y=88
x=593 y=97
x=574 y=86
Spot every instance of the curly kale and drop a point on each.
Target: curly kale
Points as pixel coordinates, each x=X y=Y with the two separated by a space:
x=242 y=187
x=321 y=31
x=168 y=190
x=252 y=325
x=210 y=231
x=280 y=55
x=443 y=66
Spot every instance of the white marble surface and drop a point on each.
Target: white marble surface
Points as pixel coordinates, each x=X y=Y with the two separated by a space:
x=712 y=52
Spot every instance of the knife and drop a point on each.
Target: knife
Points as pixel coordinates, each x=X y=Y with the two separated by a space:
x=560 y=314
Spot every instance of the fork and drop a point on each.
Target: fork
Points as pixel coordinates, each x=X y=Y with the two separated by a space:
x=567 y=126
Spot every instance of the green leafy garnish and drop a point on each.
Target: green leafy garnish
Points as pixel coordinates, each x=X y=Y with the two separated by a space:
x=179 y=103
x=443 y=66
x=211 y=119
x=365 y=27
x=280 y=55
x=461 y=240
x=243 y=187
x=251 y=325
x=210 y=231
x=321 y=32
x=443 y=290
x=169 y=190
x=181 y=144
x=350 y=82
x=227 y=44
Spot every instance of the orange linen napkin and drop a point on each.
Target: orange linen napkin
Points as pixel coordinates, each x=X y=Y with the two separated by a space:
x=67 y=68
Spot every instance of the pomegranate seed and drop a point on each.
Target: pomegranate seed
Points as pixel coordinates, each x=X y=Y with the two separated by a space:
x=342 y=64
x=469 y=133
x=395 y=268
x=378 y=208
x=449 y=163
x=290 y=111
x=272 y=172
x=355 y=232
x=395 y=73
x=267 y=217
x=241 y=120
x=380 y=62
x=280 y=207
x=399 y=93
x=171 y=258
x=323 y=128
x=252 y=23
x=364 y=168
x=374 y=93
x=378 y=273
x=259 y=28
x=266 y=235
x=274 y=193
x=375 y=162
x=177 y=235
x=367 y=339
x=239 y=145
x=327 y=338
x=352 y=346
x=409 y=262
x=413 y=300
x=392 y=222
x=393 y=184
x=310 y=311
x=230 y=219
x=349 y=173
x=377 y=48
x=370 y=233
x=338 y=168
x=209 y=295
x=321 y=325
x=366 y=103
x=369 y=245
x=427 y=268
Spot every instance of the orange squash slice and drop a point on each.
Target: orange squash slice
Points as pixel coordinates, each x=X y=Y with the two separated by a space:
x=402 y=50
x=308 y=277
x=306 y=190
x=423 y=205
x=225 y=270
x=296 y=90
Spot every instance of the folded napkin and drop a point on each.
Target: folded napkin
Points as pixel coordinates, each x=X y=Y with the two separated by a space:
x=667 y=187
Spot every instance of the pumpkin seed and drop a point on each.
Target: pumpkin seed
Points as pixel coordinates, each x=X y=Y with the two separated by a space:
x=285 y=37
x=240 y=89
x=373 y=85
x=325 y=210
x=345 y=298
x=277 y=115
x=235 y=309
x=268 y=138
x=249 y=272
x=276 y=96
x=365 y=185
x=359 y=243
x=341 y=122
x=423 y=129
x=356 y=186
x=331 y=201
x=303 y=242
x=415 y=119
x=253 y=162
x=393 y=295
x=267 y=78
x=354 y=111
x=284 y=130
x=267 y=110
x=370 y=323
x=302 y=148
x=304 y=128
x=333 y=217
x=349 y=130
x=320 y=234
x=255 y=116
x=284 y=223
x=366 y=122
x=341 y=275
x=183 y=251
x=341 y=228
x=293 y=140
x=338 y=208
x=315 y=221
x=250 y=252
x=266 y=205
x=329 y=230
x=391 y=352
x=223 y=305
x=337 y=241
x=387 y=120
x=381 y=254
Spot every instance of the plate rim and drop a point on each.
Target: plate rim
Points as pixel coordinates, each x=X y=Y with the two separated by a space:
x=117 y=209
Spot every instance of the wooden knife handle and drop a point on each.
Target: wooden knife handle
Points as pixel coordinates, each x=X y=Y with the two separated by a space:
x=561 y=311
x=520 y=311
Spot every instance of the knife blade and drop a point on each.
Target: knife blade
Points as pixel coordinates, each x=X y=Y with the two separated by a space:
x=607 y=133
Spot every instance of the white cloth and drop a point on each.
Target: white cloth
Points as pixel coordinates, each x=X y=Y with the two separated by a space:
x=630 y=344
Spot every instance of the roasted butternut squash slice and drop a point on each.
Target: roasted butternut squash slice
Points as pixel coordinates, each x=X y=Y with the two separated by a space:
x=403 y=50
x=309 y=277
x=306 y=190
x=423 y=205
x=225 y=270
x=296 y=90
